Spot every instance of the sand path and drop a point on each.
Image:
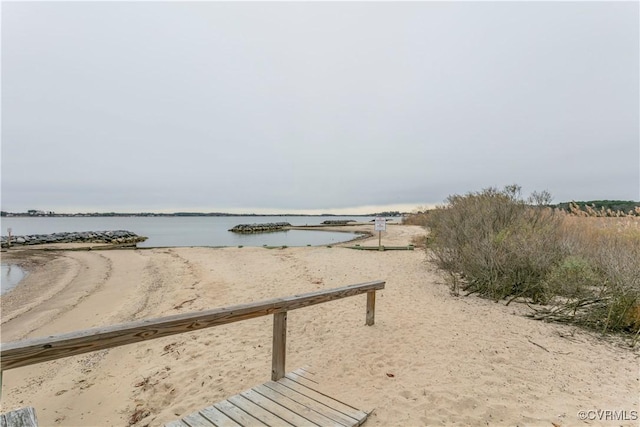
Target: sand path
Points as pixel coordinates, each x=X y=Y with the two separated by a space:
x=430 y=359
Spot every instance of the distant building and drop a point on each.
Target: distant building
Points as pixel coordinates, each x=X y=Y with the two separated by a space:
x=34 y=212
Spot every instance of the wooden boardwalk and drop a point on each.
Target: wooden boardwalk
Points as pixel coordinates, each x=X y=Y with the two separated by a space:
x=286 y=400
x=23 y=417
x=291 y=401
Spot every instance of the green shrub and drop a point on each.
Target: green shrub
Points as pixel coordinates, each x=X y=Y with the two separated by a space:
x=573 y=278
x=498 y=245
x=495 y=243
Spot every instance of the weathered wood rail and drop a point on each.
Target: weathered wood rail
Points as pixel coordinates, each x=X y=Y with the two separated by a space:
x=28 y=352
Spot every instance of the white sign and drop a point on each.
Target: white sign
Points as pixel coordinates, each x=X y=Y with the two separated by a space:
x=380 y=224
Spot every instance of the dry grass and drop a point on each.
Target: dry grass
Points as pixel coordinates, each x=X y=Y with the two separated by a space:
x=582 y=269
x=592 y=211
x=611 y=250
x=418 y=217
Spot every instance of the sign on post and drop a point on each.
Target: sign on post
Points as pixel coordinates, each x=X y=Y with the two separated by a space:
x=380 y=226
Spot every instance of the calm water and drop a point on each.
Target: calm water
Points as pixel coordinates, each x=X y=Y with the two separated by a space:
x=186 y=231
x=11 y=276
x=175 y=231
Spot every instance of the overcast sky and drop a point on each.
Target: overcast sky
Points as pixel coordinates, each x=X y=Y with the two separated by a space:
x=315 y=107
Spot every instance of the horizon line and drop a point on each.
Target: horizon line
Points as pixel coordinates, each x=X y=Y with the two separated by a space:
x=349 y=211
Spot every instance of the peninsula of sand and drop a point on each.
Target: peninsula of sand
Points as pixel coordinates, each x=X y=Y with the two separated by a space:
x=430 y=359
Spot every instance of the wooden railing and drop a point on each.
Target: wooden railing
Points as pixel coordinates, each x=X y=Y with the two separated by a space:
x=28 y=352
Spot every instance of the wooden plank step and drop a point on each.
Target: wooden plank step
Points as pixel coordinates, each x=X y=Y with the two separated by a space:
x=23 y=417
x=294 y=406
x=305 y=374
x=314 y=405
x=291 y=401
x=237 y=414
x=217 y=418
x=197 y=420
x=276 y=409
x=301 y=380
x=323 y=398
x=305 y=378
x=257 y=411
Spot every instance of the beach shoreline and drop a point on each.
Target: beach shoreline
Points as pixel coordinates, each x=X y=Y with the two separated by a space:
x=452 y=360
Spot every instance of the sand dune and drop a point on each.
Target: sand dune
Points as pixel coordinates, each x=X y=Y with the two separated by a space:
x=430 y=359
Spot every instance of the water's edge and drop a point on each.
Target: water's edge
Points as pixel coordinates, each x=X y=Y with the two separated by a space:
x=12 y=275
x=190 y=231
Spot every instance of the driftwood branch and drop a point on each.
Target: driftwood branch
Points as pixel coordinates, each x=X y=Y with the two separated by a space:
x=536 y=344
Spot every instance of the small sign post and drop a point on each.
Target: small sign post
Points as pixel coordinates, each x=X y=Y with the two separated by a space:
x=380 y=226
x=9 y=230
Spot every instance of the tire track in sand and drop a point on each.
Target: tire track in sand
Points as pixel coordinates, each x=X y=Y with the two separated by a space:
x=170 y=279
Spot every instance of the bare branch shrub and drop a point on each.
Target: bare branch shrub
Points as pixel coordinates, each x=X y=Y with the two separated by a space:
x=608 y=250
x=418 y=217
x=585 y=269
x=500 y=245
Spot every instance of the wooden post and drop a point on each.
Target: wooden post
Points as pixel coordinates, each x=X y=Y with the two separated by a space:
x=279 y=345
x=36 y=350
x=371 y=307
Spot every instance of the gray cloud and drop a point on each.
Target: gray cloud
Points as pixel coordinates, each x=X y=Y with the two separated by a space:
x=146 y=106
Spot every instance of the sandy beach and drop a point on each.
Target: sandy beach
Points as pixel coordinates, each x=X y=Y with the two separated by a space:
x=430 y=359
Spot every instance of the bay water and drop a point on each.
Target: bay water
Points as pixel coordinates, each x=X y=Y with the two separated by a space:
x=10 y=276
x=164 y=231
x=168 y=231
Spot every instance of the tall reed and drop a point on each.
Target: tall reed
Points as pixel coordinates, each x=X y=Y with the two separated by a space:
x=583 y=270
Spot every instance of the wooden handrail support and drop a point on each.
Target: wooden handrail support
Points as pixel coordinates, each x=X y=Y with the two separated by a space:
x=28 y=352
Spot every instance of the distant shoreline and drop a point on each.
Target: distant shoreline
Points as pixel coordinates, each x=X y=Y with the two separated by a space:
x=186 y=231
x=183 y=214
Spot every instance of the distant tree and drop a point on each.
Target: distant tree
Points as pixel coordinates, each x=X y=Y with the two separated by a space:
x=388 y=213
x=602 y=207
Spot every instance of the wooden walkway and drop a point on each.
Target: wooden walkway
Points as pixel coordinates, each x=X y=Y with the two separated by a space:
x=23 y=417
x=290 y=401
